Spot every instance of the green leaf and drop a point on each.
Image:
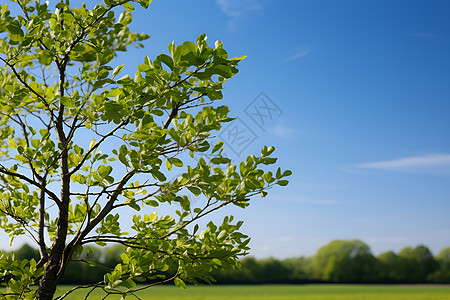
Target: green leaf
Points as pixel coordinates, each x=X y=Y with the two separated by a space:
x=283 y=182
x=204 y=146
x=61 y=5
x=125 y=258
x=12 y=144
x=240 y=58
x=66 y=101
x=145 y=3
x=143 y=68
x=134 y=206
x=128 y=283
x=158 y=175
x=217 y=146
x=45 y=58
x=92 y=144
x=106 y=56
x=117 y=70
x=153 y=203
x=101 y=244
x=270 y=150
x=171 y=47
x=278 y=175
x=15 y=32
x=114 y=92
x=128 y=6
x=176 y=161
x=186 y=54
x=180 y=283
x=167 y=60
x=195 y=190
x=287 y=173
x=104 y=171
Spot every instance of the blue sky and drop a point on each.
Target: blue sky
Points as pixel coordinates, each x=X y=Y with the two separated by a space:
x=364 y=90
x=354 y=95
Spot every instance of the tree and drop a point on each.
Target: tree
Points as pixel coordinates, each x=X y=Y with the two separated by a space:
x=300 y=269
x=248 y=273
x=81 y=271
x=80 y=145
x=273 y=271
x=345 y=261
x=391 y=267
x=418 y=263
x=442 y=274
x=26 y=252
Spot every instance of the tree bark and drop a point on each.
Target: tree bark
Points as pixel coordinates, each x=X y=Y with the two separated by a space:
x=49 y=281
x=54 y=270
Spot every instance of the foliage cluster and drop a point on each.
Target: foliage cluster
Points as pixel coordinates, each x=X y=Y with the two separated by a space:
x=345 y=262
x=79 y=145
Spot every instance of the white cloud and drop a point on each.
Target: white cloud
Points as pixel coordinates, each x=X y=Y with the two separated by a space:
x=283 y=131
x=298 y=55
x=304 y=185
x=265 y=248
x=431 y=163
x=303 y=200
x=284 y=239
x=317 y=201
x=389 y=240
x=236 y=9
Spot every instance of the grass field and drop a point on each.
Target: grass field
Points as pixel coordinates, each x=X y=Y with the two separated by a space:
x=284 y=292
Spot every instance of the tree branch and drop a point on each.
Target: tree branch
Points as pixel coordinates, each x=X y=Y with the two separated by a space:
x=109 y=205
x=139 y=200
x=41 y=238
x=11 y=66
x=94 y=222
x=96 y=145
x=79 y=287
x=93 y=264
x=52 y=195
x=203 y=213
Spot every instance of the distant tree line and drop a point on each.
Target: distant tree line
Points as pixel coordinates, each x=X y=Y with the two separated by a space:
x=339 y=261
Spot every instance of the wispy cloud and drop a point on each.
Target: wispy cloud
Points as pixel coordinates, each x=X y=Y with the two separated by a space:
x=265 y=248
x=286 y=238
x=431 y=163
x=283 y=131
x=303 y=200
x=298 y=55
x=236 y=9
x=275 y=243
x=389 y=240
x=305 y=185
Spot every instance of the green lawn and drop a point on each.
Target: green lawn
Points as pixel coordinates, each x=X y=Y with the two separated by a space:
x=285 y=292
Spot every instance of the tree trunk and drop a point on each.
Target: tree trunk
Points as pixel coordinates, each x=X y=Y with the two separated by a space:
x=49 y=281
x=52 y=271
